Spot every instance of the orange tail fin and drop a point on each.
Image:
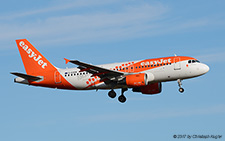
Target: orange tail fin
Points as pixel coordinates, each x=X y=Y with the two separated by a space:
x=34 y=62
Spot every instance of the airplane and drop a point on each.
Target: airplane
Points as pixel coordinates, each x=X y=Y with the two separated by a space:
x=142 y=76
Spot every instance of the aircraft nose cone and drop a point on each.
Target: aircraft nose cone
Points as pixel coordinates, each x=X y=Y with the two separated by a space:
x=205 y=68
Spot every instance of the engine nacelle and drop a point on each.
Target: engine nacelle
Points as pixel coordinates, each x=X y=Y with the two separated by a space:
x=153 y=88
x=136 y=80
x=150 y=77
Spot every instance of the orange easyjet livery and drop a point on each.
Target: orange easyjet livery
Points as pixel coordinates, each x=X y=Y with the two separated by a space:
x=143 y=76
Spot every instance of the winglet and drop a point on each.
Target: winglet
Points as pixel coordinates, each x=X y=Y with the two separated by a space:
x=67 y=60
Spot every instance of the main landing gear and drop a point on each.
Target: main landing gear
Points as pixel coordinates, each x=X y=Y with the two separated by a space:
x=181 y=90
x=112 y=94
x=121 y=98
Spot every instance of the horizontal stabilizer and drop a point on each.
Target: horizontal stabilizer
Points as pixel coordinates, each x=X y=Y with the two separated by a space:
x=27 y=77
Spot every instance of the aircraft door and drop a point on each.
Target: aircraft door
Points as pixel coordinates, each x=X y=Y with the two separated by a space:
x=57 y=77
x=177 y=64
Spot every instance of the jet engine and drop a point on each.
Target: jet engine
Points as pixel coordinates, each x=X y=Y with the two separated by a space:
x=136 y=80
x=151 y=89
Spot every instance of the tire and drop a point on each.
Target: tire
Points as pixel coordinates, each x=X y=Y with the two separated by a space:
x=122 y=99
x=181 y=90
x=112 y=94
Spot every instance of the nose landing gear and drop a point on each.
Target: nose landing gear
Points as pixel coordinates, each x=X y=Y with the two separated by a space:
x=181 y=90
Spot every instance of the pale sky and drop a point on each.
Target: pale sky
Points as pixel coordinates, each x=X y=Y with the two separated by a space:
x=108 y=31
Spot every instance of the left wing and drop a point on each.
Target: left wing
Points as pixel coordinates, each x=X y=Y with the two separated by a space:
x=96 y=70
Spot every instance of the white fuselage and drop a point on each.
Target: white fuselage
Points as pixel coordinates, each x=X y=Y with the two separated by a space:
x=179 y=70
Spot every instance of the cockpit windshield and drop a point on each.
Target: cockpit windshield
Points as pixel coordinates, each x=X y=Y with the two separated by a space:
x=193 y=61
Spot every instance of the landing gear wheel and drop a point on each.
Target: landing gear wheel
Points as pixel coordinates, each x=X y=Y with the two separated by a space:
x=181 y=90
x=112 y=94
x=122 y=99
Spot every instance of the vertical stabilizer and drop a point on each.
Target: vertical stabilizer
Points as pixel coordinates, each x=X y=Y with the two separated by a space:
x=34 y=62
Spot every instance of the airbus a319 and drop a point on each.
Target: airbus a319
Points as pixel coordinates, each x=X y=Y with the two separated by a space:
x=142 y=76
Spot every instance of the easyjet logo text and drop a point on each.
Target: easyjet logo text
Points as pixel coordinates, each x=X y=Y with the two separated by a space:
x=33 y=55
x=161 y=61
